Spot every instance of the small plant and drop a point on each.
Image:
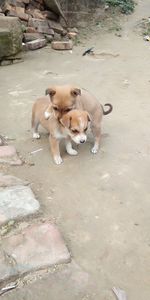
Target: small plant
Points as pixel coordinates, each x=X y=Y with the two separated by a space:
x=126 y=6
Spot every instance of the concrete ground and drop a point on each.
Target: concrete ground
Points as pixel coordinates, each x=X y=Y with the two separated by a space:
x=101 y=202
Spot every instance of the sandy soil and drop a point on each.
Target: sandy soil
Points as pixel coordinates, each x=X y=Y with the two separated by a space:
x=101 y=202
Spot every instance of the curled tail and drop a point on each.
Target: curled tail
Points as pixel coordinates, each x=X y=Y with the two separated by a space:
x=109 y=110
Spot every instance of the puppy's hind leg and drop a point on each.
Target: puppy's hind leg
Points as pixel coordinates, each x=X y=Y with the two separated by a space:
x=35 y=125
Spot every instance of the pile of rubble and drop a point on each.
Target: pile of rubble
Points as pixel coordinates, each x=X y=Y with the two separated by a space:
x=41 y=21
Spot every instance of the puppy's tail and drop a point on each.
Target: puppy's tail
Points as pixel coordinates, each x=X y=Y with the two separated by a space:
x=106 y=112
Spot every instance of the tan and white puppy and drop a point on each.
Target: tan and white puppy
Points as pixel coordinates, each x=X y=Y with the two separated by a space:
x=65 y=98
x=71 y=126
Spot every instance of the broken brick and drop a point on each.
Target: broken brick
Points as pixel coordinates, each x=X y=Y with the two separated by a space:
x=62 y=45
x=36 y=44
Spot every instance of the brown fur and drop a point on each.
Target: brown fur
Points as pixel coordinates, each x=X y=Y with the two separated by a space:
x=65 y=98
x=72 y=125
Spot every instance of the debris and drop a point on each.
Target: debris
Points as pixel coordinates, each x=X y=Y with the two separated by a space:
x=38 y=150
x=72 y=35
x=103 y=54
x=9 y=287
x=121 y=295
x=147 y=38
x=2 y=141
x=88 y=51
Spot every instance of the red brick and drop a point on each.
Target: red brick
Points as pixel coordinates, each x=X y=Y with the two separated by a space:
x=20 y=10
x=34 y=45
x=49 y=15
x=61 y=45
x=56 y=26
x=23 y=16
x=72 y=35
x=31 y=30
x=28 y=37
x=41 y=26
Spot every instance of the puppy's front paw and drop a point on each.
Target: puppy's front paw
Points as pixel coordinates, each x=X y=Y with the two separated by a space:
x=58 y=160
x=36 y=135
x=94 y=150
x=46 y=115
x=72 y=152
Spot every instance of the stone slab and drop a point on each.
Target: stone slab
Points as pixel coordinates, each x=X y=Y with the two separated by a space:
x=71 y=282
x=8 y=154
x=9 y=180
x=11 y=39
x=38 y=246
x=16 y=202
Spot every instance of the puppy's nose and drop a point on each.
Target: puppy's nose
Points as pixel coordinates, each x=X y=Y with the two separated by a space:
x=82 y=141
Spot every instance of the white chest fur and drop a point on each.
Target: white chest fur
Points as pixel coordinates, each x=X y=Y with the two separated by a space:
x=60 y=135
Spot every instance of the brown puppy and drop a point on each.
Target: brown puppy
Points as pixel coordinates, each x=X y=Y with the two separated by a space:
x=65 y=98
x=72 y=126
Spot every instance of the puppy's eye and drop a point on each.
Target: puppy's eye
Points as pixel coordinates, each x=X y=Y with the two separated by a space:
x=85 y=129
x=55 y=108
x=75 y=131
x=67 y=110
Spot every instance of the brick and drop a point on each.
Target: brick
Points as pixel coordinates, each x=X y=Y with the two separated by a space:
x=56 y=26
x=31 y=30
x=12 y=13
x=8 y=180
x=72 y=35
x=16 y=202
x=26 y=1
x=20 y=10
x=3 y=63
x=62 y=45
x=41 y=26
x=50 y=15
x=36 y=13
x=23 y=16
x=49 y=38
x=37 y=247
x=20 y=4
x=57 y=37
x=34 y=45
x=27 y=37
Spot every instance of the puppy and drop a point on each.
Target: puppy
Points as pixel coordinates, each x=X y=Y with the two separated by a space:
x=71 y=126
x=65 y=98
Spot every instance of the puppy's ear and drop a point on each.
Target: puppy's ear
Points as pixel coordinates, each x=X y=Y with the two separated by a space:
x=75 y=92
x=51 y=92
x=66 y=121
